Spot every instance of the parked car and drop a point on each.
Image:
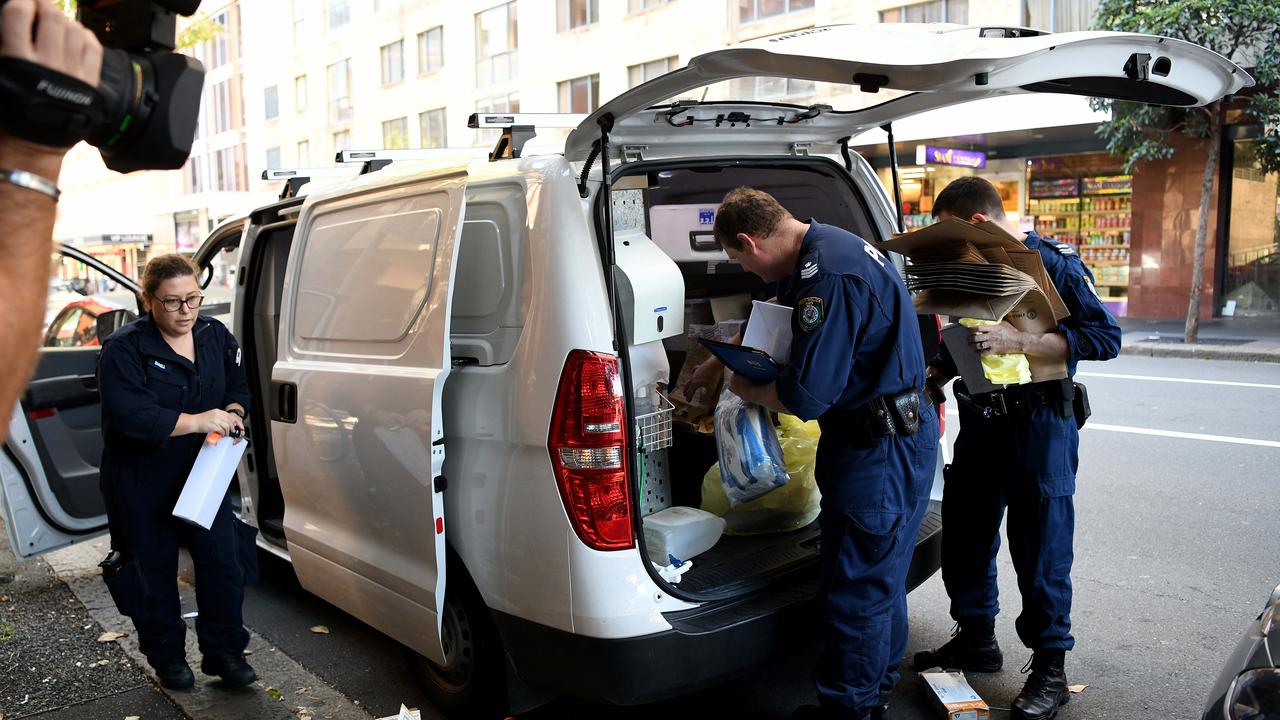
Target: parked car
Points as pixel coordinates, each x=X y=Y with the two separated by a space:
x=450 y=359
x=76 y=324
x=1249 y=686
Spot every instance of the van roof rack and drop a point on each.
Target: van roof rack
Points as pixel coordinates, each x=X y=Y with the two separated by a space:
x=374 y=160
x=295 y=178
x=519 y=128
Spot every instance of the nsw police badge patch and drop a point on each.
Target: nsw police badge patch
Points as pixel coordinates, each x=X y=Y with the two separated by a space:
x=811 y=315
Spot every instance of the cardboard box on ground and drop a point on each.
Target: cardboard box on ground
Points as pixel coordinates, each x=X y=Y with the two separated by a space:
x=982 y=271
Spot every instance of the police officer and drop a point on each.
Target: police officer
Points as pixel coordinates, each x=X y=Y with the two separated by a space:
x=1017 y=448
x=167 y=380
x=856 y=363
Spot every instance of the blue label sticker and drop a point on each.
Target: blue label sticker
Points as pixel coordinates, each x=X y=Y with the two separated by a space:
x=661 y=309
x=706 y=217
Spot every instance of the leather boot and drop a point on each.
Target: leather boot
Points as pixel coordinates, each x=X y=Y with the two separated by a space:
x=175 y=674
x=1046 y=688
x=973 y=647
x=233 y=669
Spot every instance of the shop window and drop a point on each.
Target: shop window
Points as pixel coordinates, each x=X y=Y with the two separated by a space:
x=753 y=10
x=948 y=11
x=395 y=134
x=573 y=14
x=431 y=126
x=392 y=62
x=1251 y=286
x=431 y=50
x=579 y=95
x=1058 y=15
x=637 y=74
x=496 y=45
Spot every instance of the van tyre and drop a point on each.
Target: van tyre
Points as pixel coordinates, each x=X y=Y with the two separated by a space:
x=472 y=681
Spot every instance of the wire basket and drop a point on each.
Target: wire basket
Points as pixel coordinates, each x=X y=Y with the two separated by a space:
x=653 y=430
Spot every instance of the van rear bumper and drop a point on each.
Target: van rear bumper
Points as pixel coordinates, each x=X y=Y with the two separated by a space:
x=706 y=645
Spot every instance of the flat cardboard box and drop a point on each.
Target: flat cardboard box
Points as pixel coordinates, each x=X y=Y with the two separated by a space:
x=952 y=694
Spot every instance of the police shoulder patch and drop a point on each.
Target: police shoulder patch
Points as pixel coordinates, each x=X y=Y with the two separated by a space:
x=1063 y=248
x=811 y=314
x=808 y=269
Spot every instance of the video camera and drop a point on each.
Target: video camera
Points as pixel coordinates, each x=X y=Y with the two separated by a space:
x=142 y=115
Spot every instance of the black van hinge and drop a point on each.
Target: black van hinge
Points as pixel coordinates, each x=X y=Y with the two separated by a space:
x=633 y=153
x=1138 y=67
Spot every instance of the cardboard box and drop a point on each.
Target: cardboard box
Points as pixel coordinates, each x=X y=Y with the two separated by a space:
x=696 y=412
x=952 y=694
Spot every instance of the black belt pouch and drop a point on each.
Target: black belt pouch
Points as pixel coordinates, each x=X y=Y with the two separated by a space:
x=1080 y=405
x=247 y=550
x=125 y=582
x=906 y=411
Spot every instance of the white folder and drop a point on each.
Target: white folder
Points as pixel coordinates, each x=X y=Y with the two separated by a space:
x=208 y=481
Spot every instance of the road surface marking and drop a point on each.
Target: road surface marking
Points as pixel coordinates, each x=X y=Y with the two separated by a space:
x=1168 y=433
x=1122 y=376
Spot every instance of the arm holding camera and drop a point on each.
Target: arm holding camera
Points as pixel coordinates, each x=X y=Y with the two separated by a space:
x=38 y=32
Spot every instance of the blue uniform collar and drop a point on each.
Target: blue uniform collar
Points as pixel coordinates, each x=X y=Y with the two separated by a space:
x=807 y=247
x=153 y=343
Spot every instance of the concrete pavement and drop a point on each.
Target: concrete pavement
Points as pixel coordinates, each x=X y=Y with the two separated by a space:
x=1241 y=339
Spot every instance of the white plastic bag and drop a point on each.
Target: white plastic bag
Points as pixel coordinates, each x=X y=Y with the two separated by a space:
x=751 y=461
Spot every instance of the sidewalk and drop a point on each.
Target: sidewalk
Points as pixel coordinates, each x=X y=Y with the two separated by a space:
x=1241 y=339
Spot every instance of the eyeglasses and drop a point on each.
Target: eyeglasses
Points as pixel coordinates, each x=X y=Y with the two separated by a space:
x=172 y=304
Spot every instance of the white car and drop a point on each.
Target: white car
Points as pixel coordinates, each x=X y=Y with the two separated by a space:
x=447 y=356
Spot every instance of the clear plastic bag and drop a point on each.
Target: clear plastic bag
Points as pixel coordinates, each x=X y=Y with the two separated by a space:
x=751 y=460
x=788 y=508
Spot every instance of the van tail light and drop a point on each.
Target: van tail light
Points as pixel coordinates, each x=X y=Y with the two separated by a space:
x=588 y=444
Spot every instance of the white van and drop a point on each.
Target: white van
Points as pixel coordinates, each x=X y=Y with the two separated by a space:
x=450 y=357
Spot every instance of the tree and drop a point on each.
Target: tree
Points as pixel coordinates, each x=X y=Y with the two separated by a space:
x=195 y=30
x=1247 y=32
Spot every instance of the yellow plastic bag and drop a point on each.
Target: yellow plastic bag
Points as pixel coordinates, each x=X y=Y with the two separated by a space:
x=791 y=506
x=1002 y=368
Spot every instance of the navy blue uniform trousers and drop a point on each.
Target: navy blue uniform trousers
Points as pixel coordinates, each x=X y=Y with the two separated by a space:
x=873 y=500
x=1028 y=465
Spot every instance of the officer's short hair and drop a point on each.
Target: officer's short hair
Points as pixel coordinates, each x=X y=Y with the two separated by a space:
x=166 y=267
x=747 y=210
x=965 y=196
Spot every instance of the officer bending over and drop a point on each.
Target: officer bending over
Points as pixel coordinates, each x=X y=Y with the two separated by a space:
x=856 y=363
x=166 y=380
x=1017 y=448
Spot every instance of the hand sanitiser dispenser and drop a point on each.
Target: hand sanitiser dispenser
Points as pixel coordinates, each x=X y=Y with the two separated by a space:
x=650 y=289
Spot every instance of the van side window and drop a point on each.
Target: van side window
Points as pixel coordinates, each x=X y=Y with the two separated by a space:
x=488 y=305
x=367 y=270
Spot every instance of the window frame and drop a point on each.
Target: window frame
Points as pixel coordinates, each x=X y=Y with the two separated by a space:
x=424 y=55
x=565 y=14
x=757 y=17
x=384 y=55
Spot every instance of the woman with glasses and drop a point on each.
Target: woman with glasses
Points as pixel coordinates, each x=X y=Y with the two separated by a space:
x=167 y=380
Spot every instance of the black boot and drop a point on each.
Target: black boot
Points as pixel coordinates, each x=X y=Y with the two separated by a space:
x=175 y=674
x=233 y=669
x=1046 y=688
x=973 y=647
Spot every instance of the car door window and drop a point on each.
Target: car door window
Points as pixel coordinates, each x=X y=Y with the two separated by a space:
x=78 y=294
x=62 y=331
x=222 y=268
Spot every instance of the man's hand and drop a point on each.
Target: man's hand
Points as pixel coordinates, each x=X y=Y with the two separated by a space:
x=997 y=339
x=763 y=395
x=705 y=380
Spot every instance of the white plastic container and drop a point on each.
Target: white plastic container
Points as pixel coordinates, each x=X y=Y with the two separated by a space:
x=681 y=532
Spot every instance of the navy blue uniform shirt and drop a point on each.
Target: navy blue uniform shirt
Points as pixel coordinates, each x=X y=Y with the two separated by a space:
x=145 y=385
x=854 y=330
x=1091 y=331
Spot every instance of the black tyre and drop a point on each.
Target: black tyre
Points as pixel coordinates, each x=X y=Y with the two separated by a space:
x=472 y=681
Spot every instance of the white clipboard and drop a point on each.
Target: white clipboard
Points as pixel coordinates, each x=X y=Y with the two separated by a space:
x=208 y=480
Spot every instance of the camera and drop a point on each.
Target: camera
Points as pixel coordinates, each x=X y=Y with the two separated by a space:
x=142 y=115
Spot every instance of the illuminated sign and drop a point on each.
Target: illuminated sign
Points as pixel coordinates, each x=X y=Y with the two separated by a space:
x=955 y=156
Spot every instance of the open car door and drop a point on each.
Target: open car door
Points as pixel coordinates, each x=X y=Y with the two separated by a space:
x=49 y=472
x=900 y=70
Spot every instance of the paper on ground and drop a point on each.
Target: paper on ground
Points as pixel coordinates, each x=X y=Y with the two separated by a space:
x=208 y=481
x=769 y=330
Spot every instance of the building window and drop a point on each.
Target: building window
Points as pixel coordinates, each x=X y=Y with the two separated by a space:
x=218 y=50
x=752 y=10
x=226 y=170
x=339 y=14
x=196 y=182
x=634 y=6
x=644 y=72
x=393 y=63
x=273 y=158
x=341 y=141
x=431 y=50
x=506 y=104
x=949 y=11
x=220 y=106
x=772 y=88
x=579 y=95
x=395 y=134
x=300 y=93
x=271 y=103
x=304 y=154
x=573 y=14
x=340 y=92
x=496 y=45
x=1058 y=15
x=431 y=124
x=299 y=22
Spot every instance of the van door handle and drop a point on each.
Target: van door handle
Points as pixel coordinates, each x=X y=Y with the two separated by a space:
x=284 y=401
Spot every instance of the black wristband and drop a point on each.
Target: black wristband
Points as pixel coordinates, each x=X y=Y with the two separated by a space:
x=236 y=411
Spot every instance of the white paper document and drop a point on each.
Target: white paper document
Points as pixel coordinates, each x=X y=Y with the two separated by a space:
x=769 y=330
x=208 y=481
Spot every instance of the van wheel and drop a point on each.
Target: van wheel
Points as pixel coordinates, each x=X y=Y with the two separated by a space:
x=472 y=681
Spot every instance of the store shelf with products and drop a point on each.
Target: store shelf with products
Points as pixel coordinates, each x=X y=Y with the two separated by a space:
x=1105 y=224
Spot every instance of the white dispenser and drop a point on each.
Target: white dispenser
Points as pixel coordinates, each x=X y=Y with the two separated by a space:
x=650 y=288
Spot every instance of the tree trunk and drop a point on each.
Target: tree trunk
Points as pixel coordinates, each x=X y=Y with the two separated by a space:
x=1192 y=329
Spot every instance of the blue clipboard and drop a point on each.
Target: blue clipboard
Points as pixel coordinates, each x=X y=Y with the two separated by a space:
x=751 y=363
